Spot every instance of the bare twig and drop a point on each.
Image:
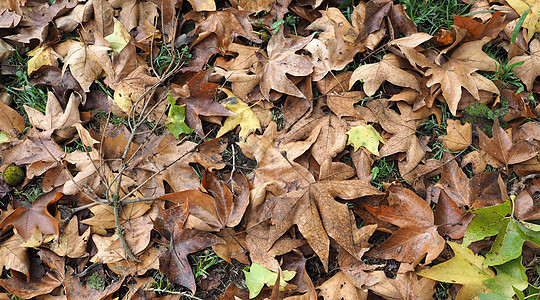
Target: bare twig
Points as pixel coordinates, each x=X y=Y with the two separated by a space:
x=521 y=184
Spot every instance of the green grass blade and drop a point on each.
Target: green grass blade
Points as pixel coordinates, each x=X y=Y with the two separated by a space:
x=519 y=24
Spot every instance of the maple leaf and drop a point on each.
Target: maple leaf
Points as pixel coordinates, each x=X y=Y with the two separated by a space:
x=14 y=257
x=476 y=30
x=274 y=68
x=530 y=68
x=510 y=278
x=365 y=136
x=460 y=71
x=402 y=126
x=340 y=286
x=388 y=69
x=119 y=38
x=174 y=263
x=75 y=289
x=201 y=101
x=87 y=62
x=130 y=89
x=27 y=220
x=532 y=21
x=417 y=235
x=42 y=56
x=55 y=119
x=318 y=216
x=503 y=149
x=70 y=243
x=245 y=117
x=464 y=268
x=203 y=5
x=49 y=276
x=224 y=26
x=10 y=122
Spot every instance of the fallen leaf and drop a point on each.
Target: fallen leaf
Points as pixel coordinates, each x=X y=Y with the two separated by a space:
x=70 y=243
x=530 y=68
x=55 y=119
x=274 y=68
x=48 y=280
x=458 y=136
x=258 y=276
x=10 y=122
x=86 y=63
x=26 y=220
x=340 y=287
x=365 y=136
x=464 y=268
x=417 y=235
x=14 y=257
x=245 y=117
x=501 y=147
x=388 y=69
x=532 y=21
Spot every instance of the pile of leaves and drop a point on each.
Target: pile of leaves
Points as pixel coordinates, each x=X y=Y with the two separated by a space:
x=334 y=149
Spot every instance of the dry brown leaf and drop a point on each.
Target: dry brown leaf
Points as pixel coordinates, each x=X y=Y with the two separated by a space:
x=530 y=68
x=10 y=121
x=274 y=68
x=458 y=136
x=87 y=62
x=503 y=149
x=70 y=243
x=417 y=235
x=388 y=69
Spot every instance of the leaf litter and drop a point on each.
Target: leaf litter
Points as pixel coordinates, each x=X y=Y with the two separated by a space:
x=327 y=149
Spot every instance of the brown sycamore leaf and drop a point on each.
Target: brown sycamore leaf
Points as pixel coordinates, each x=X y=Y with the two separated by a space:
x=10 y=121
x=318 y=216
x=14 y=257
x=70 y=243
x=174 y=262
x=417 y=235
x=501 y=147
x=388 y=69
x=75 y=289
x=282 y=60
x=530 y=69
x=44 y=283
x=476 y=30
x=460 y=71
x=341 y=287
x=55 y=119
x=87 y=62
x=26 y=220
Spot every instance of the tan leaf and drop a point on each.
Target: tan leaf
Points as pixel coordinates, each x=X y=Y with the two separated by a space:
x=388 y=69
x=459 y=136
x=530 y=69
x=87 y=62
x=279 y=63
x=70 y=243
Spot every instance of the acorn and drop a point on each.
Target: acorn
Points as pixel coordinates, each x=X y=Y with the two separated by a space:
x=14 y=175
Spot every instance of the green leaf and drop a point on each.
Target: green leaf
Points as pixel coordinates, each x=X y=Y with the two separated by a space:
x=177 y=118
x=531 y=232
x=257 y=276
x=490 y=296
x=486 y=222
x=365 y=136
x=507 y=244
x=510 y=277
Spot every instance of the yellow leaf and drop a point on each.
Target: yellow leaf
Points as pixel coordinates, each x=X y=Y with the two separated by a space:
x=41 y=56
x=245 y=117
x=464 y=268
x=365 y=136
x=532 y=21
x=119 y=38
